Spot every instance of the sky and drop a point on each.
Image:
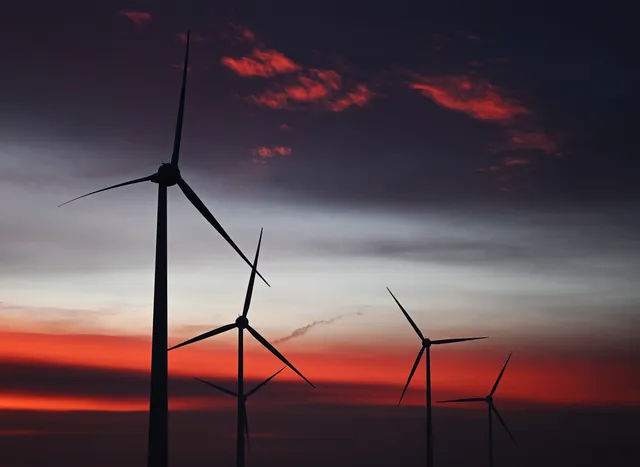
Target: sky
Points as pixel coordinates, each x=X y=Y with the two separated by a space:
x=478 y=160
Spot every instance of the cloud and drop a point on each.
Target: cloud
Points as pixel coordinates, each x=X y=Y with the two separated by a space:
x=285 y=127
x=243 y=33
x=522 y=139
x=305 y=329
x=314 y=87
x=265 y=63
x=360 y=96
x=299 y=86
x=182 y=37
x=139 y=18
x=263 y=152
x=472 y=96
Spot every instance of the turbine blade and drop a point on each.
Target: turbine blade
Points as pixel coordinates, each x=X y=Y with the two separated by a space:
x=473 y=399
x=504 y=425
x=199 y=205
x=246 y=429
x=265 y=381
x=252 y=279
x=495 y=386
x=461 y=339
x=275 y=352
x=407 y=316
x=413 y=370
x=215 y=386
x=178 y=135
x=130 y=182
x=206 y=335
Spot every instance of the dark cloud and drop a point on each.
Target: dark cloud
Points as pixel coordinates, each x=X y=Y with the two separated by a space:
x=328 y=435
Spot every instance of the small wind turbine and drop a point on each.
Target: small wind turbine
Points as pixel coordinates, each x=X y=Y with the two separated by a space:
x=426 y=346
x=491 y=408
x=242 y=405
x=242 y=323
x=167 y=175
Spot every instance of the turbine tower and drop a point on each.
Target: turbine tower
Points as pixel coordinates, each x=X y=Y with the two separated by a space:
x=426 y=347
x=242 y=323
x=491 y=408
x=242 y=405
x=167 y=175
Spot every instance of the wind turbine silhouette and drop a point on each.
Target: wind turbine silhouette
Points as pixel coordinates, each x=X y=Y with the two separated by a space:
x=242 y=323
x=167 y=175
x=426 y=346
x=492 y=408
x=242 y=405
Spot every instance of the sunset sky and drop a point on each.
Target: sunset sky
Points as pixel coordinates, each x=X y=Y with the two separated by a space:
x=479 y=162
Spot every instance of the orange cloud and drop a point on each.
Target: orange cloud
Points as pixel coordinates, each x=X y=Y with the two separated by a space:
x=532 y=377
x=139 y=18
x=477 y=98
x=182 y=37
x=264 y=63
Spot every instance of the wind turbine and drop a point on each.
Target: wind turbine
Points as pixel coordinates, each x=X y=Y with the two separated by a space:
x=242 y=405
x=491 y=408
x=426 y=347
x=167 y=175
x=242 y=323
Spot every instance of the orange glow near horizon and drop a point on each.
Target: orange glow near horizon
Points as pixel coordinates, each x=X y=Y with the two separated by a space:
x=355 y=375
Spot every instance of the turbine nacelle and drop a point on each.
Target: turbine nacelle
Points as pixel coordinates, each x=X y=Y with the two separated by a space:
x=426 y=342
x=168 y=174
x=242 y=322
x=489 y=399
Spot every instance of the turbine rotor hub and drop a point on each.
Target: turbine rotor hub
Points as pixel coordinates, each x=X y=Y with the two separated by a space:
x=242 y=322
x=426 y=342
x=168 y=174
x=489 y=398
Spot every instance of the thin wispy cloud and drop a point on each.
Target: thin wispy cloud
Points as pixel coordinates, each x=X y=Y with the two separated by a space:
x=139 y=18
x=182 y=37
x=305 y=329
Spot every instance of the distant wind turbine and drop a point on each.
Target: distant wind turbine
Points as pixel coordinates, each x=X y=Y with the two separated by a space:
x=491 y=408
x=242 y=405
x=167 y=175
x=426 y=346
x=242 y=323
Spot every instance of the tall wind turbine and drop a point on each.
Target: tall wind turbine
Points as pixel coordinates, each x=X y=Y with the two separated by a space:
x=242 y=405
x=491 y=408
x=242 y=323
x=426 y=346
x=167 y=175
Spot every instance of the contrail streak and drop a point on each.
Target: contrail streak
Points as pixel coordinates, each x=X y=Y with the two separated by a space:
x=305 y=329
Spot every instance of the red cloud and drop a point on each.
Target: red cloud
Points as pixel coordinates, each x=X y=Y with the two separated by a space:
x=262 y=153
x=318 y=86
x=243 y=33
x=182 y=37
x=140 y=18
x=264 y=63
x=360 y=96
x=477 y=98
